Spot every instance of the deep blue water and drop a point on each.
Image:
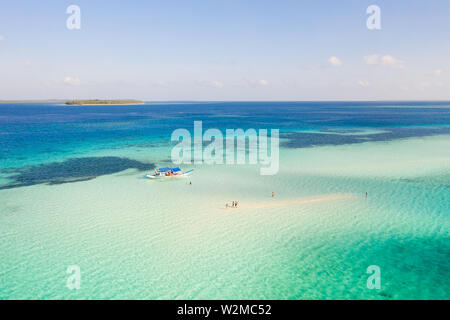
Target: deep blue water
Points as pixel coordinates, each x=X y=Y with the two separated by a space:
x=36 y=133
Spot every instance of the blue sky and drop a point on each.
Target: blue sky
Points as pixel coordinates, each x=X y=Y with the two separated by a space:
x=225 y=50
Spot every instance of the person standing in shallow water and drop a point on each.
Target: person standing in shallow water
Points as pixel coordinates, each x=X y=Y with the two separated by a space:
x=273 y=194
x=366 y=194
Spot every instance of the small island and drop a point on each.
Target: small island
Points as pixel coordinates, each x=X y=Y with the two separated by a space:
x=95 y=102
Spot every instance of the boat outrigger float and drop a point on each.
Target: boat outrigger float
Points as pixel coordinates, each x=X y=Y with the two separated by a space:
x=164 y=173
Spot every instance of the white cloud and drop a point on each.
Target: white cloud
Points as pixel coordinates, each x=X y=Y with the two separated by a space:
x=363 y=83
x=371 y=59
x=254 y=83
x=217 y=84
x=73 y=81
x=437 y=72
x=386 y=60
x=210 y=83
x=335 y=62
x=392 y=62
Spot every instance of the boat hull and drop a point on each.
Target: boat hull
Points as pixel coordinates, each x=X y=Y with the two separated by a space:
x=157 y=177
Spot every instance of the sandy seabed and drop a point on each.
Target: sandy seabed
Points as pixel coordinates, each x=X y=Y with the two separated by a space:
x=134 y=238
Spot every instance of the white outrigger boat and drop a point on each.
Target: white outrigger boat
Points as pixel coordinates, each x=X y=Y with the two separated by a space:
x=165 y=173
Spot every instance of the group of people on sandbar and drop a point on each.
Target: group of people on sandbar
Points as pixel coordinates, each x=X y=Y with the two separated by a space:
x=234 y=204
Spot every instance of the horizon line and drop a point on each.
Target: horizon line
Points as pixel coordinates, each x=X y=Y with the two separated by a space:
x=181 y=100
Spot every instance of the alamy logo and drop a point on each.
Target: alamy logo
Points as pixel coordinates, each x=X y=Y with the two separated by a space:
x=374 y=280
x=74 y=280
x=374 y=20
x=234 y=141
x=74 y=20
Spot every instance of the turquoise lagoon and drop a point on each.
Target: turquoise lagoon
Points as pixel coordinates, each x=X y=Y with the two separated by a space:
x=72 y=192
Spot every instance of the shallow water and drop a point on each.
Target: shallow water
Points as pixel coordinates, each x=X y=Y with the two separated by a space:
x=134 y=238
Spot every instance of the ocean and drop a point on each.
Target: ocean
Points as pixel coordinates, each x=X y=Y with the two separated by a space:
x=73 y=192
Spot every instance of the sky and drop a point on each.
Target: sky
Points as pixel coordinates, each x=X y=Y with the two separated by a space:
x=225 y=50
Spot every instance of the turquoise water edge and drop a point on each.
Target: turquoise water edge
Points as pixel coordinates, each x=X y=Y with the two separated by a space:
x=73 y=192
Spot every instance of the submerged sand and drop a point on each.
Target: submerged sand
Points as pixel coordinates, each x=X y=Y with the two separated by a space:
x=134 y=238
x=276 y=203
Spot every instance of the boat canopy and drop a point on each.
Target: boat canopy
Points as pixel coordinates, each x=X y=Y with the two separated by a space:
x=169 y=169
